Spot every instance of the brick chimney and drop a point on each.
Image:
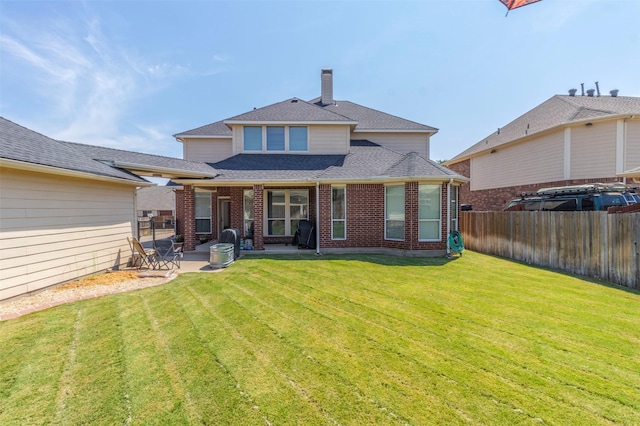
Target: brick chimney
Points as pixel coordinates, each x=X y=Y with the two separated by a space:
x=326 y=80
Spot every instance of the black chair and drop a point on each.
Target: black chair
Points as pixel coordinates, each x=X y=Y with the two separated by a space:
x=167 y=255
x=305 y=236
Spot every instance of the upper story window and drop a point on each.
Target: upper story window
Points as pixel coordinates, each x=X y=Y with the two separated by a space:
x=276 y=138
x=252 y=138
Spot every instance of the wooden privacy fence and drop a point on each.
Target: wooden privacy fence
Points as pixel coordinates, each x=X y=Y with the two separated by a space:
x=594 y=244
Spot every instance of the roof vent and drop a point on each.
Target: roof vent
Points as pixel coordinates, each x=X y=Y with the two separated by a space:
x=598 y=89
x=572 y=92
x=614 y=93
x=590 y=92
x=294 y=101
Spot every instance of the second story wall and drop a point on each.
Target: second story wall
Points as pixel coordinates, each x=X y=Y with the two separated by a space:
x=207 y=150
x=535 y=161
x=593 y=150
x=400 y=142
x=322 y=139
x=632 y=147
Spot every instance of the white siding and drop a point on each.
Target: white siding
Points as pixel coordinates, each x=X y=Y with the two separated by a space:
x=207 y=150
x=53 y=229
x=593 y=151
x=535 y=161
x=400 y=142
x=632 y=146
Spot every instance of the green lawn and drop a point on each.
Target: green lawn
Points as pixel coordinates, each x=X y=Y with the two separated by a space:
x=333 y=340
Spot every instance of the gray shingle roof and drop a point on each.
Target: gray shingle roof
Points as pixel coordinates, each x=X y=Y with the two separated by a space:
x=371 y=119
x=149 y=160
x=214 y=129
x=290 y=111
x=557 y=111
x=296 y=110
x=366 y=160
x=21 y=144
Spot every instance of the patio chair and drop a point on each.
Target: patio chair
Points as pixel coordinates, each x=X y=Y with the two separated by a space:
x=141 y=256
x=167 y=255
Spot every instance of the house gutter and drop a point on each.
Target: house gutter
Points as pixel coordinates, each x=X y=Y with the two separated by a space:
x=318 y=217
x=449 y=215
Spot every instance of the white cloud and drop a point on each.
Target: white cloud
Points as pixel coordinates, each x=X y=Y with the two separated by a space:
x=89 y=83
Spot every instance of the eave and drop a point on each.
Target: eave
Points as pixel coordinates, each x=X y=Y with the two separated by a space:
x=160 y=172
x=39 y=168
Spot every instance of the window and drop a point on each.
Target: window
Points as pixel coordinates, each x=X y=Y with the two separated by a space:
x=298 y=138
x=285 y=209
x=278 y=138
x=252 y=138
x=429 y=213
x=394 y=212
x=338 y=213
x=275 y=138
x=203 y=213
x=248 y=213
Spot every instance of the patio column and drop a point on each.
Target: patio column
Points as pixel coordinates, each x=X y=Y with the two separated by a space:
x=189 y=225
x=258 y=217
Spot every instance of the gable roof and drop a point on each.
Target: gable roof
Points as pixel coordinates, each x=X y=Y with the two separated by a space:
x=22 y=146
x=292 y=110
x=296 y=110
x=558 y=111
x=366 y=161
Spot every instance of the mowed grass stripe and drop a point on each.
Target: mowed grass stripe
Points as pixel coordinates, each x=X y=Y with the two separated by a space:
x=267 y=367
x=333 y=339
x=153 y=398
x=31 y=366
x=543 y=384
x=330 y=342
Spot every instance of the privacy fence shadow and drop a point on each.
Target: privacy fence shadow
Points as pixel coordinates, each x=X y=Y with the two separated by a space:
x=593 y=244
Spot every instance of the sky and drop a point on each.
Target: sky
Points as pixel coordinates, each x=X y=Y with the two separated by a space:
x=130 y=74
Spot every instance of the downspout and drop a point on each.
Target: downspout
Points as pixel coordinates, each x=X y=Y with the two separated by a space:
x=449 y=215
x=317 y=217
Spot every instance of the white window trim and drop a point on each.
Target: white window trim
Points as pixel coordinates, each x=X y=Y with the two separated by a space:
x=454 y=207
x=344 y=188
x=431 y=220
x=404 y=227
x=264 y=149
x=287 y=211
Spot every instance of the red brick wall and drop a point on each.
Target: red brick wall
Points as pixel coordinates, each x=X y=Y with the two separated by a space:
x=495 y=199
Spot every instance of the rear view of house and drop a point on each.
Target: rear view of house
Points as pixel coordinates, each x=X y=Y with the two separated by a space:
x=566 y=140
x=361 y=176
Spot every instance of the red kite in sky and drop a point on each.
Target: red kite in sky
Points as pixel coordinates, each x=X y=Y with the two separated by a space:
x=513 y=4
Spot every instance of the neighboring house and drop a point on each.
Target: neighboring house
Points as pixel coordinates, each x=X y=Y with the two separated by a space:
x=66 y=209
x=363 y=177
x=156 y=200
x=566 y=140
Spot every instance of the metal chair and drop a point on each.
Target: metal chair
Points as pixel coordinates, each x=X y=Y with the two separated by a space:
x=141 y=256
x=167 y=255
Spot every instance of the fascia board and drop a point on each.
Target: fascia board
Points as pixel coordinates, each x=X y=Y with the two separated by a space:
x=290 y=123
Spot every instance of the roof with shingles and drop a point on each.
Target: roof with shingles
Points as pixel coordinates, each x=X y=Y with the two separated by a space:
x=27 y=146
x=366 y=160
x=150 y=160
x=24 y=145
x=290 y=111
x=296 y=110
x=559 y=110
